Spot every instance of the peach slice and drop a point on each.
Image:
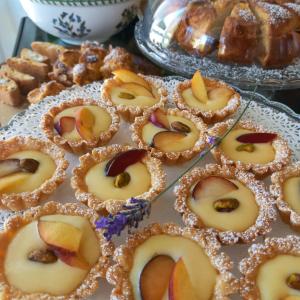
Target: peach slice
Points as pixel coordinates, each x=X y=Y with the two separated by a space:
x=12 y=180
x=257 y=138
x=85 y=121
x=220 y=93
x=136 y=89
x=199 y=88
x=65 y=125
x=155 y=277
x=127 y=76
x=121 y=161
x=159 y=119
x=70 y=258
x=13 y=165
x=213 y=186
x=167 y=140
x=180 y=286
x=60 y=235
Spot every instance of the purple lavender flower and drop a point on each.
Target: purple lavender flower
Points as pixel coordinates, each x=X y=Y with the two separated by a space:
x=132 y=214
x=211 y=139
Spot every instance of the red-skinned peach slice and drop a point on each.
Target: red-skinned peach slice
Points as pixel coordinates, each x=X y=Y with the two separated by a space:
x=155 y=277
x=257 y=138
x=70 y=258
x=65 y=125
x=9 y=166
x=60 y=235
x=199 y=88
x=127 y=76
x=121 y=161
x=167 y=140
x=159 y=119
x=136 y=89
x=180 y=286
x=85 y=121
x=213 y=186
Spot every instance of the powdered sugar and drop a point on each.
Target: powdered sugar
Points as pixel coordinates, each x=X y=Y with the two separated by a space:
x=276 y=13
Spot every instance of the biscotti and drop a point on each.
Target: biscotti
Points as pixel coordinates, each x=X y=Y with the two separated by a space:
x=32 y=55
x=47 y=49
x=9 y=92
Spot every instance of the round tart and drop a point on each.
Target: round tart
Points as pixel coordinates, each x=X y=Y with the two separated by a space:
x=169 y=262
x=132 y=93
x=171 y=135
x=52 y=252
x=210 y=99
x=272 y=270
x=230 y=201
x=110 y=176
x=30 y=170
x=80 y=125
x=250 y=147
x=286 y=190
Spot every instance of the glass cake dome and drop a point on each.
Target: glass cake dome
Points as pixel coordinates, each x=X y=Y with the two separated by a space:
x=245 y=42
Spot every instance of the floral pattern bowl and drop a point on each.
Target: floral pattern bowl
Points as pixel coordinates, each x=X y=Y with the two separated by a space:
x=77 y=20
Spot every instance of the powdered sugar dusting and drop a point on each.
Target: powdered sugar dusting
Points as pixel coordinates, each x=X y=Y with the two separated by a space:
x=246 y=15
x=277 y=14
x=294 y=7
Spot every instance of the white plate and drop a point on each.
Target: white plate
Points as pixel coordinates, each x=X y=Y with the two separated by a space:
x=273 y=116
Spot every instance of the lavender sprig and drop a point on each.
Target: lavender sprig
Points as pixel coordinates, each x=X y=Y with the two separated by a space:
x=132 y=214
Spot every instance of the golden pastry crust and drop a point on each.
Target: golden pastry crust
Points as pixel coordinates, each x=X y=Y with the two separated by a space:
x=266 y=215
x=129 y=113
x=20 y=201
x=90 y=283
x=282 y=151
x=80 y=146
x=158 y=178
x=258 y=255
x=118 y=274
x=170 y=157
x=209 y=117
x=287 y=214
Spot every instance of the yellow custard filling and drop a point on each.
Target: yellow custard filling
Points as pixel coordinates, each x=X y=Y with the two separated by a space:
x=263 y=153
x=28 y=182
x=139 y=98
x=150 y=130
x=102 y=121
x=239 y=219
x=217 y=99
x=272 y=276
x=56 y=278
x=202 y=274
x=291 y=193
x=103 y=186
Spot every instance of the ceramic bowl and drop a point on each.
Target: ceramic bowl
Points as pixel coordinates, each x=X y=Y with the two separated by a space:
x=77 y=20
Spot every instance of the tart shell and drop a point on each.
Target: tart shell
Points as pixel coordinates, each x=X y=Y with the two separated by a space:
x=258 y=255
x=129 y=113
x=20 y=201
x=158 y=179
x=80 y=146
x=118 y=274
x=266 y=215
x=282 y=151
x=209 y=117
x=90 y=283
x=287 y=214
x=170 y=157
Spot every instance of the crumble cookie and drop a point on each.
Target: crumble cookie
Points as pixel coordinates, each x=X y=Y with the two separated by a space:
x=30 y=170
x=80 y=125
x=250 y=147
x=272 y=270
x=110 y=176
x=52 y=252
x=164 y=261
x=230 y=201
x=171 y=135
x=132 y=93
x=286 y=190
x=210 y=99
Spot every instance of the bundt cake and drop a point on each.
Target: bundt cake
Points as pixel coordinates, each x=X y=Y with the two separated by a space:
x=242 y=31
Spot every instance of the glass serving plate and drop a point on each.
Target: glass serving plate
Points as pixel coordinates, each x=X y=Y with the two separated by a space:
x=166 y=36
x=254 y=107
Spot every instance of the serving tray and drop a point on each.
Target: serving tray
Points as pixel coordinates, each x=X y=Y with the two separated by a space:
x=255 y=107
